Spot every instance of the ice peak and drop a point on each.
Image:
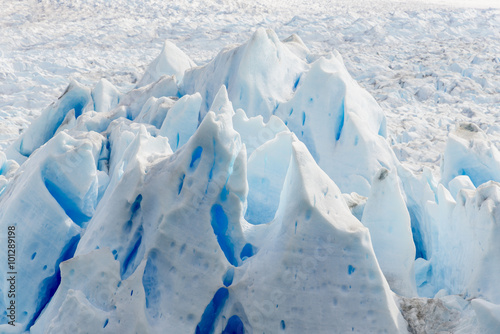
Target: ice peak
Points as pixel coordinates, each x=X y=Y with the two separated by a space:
x=221 y=103
x=75 y=98
x=307 y=187
x=105 y=95
x=171 y=61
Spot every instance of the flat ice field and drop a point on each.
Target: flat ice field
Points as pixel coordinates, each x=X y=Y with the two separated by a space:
x=250 y=167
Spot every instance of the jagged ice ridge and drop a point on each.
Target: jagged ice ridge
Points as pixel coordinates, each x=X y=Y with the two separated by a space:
x=256 y=193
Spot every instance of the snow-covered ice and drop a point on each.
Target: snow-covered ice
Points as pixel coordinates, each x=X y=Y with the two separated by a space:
x=236 y=167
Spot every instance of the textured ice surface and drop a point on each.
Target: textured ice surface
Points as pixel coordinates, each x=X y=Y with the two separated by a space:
x=206 y=239
x=209 y=199
x=386 y=216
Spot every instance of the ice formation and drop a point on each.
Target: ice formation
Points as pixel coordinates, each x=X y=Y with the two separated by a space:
x=256 y=193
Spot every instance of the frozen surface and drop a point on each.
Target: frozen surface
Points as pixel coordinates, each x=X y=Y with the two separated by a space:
x=440 y=67
x=188 y=169
x=162 y=236
x=386 y=216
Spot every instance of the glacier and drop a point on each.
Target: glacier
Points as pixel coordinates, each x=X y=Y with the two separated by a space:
x=255 y=193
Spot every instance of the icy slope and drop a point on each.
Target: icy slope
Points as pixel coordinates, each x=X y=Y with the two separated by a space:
x=164 y=209
x=157 y=241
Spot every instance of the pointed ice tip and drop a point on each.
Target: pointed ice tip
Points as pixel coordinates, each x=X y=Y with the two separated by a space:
x=308 y=187
x=169 y=49
x=72 y=85
x=221 y=103
x=297 y=46
x=104 y=82
x=167 y=44
x=294 y=38
x=262 y=35
x=170 y=61
x=259 y=33
x=335 y=54
x=105 y=87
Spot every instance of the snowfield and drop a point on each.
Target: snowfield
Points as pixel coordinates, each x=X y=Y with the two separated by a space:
x=248 y=167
